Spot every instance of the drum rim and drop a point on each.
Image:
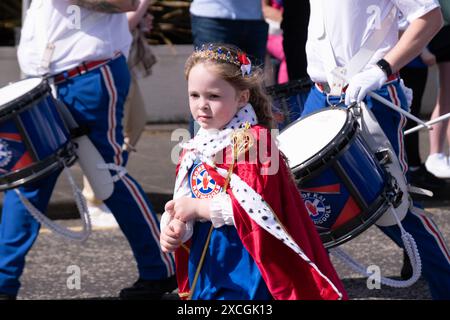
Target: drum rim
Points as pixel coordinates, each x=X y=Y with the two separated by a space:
x=26 y=99
x=329 y=152
x=377 y=209
x=63 y=156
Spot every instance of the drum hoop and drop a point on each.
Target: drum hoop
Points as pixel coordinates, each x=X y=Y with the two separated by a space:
x=28 y=99
x=347 y=231
x=328 y=154
x=39 y=169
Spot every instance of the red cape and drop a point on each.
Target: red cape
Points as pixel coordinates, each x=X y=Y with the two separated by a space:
x=287 y=275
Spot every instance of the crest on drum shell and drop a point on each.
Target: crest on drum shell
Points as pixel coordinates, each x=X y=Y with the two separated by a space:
x=318 y=208
x=5 y=153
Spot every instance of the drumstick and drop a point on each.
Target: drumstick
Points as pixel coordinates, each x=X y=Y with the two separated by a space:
x=428 y=123
x=400 y=110
x=387 y=103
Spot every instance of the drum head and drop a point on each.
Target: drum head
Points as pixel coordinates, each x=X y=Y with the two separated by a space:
x=308 y=136
x=21 y=93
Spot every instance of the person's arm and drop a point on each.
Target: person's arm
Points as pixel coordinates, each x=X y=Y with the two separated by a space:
x=270 y=12
x=108 y=6
x=414 y=39
x=218 y=209
x=135 y=17
x=187 y=208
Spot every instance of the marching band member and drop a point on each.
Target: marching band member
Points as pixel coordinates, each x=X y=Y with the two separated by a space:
x=338 y=34
x=82 y=45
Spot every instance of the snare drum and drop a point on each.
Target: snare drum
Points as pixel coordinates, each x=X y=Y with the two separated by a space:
x=34 y=140
x=344 y=187
x=288 y=100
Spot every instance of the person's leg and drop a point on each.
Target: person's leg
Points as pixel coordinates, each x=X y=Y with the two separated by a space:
x=433 y=251
x=275 y=49
x=438 y=134
x=432 y=248
x=96 y=99
x=209 y=30
x=437 y=161
x=295 y=33
x=251 y=36
x=18 y=230
x=248 y=35
x=415 y=78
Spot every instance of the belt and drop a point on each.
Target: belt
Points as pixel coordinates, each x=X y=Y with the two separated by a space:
x=79 y=70
x=325 y=87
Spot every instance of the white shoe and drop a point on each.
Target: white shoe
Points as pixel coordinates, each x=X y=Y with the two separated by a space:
x=101 y=216
x=438 y=164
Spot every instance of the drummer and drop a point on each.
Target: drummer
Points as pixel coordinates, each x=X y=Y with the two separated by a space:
x=338 y=31
x=88 y=66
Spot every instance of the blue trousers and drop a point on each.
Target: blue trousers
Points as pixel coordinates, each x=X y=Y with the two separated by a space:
x=433 y=250
x=95 y=99
x=248 y=35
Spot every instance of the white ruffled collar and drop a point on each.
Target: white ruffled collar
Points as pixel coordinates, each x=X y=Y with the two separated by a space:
x=208 y=142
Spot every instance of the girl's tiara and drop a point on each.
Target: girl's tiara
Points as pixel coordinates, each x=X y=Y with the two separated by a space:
x=217 y=53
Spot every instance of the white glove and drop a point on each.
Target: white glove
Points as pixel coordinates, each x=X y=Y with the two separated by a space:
x=363 y=82
x=408 y=93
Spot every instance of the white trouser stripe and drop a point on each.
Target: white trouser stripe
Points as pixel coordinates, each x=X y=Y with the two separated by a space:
x=110 y=86
x=400 y=139
x=433 y=231
x=148 y=216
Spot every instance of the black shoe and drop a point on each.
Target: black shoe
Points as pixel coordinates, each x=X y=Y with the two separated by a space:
x=422 y=178
x=4 y=297
x=407 y=270
x=149 y=289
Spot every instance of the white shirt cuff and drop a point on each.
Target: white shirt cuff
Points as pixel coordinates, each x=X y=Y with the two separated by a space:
x=221 y=210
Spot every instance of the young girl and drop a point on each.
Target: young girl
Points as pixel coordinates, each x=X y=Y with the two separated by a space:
x=237 y=222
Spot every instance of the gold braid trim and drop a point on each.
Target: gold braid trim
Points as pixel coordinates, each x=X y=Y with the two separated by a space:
x=241 y=142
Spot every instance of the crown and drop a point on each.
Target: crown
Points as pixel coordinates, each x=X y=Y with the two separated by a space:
x=218 y=53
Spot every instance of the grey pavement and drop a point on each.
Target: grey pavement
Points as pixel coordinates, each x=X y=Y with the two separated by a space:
x=105 y=263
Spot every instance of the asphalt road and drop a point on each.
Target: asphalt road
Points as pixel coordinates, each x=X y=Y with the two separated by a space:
x=105 y=265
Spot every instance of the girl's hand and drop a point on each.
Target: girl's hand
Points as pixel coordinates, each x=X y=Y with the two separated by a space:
x=170 y=238
x=187 y=209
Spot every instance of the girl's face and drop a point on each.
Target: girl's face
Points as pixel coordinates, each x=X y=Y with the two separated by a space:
x=212 y=100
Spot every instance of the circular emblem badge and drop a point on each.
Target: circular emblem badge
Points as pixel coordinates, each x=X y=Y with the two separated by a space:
x=5 y=153
x=202 y=184
x=316 y=205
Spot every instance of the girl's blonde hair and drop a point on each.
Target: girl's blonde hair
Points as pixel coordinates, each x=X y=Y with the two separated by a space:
x=223 y=58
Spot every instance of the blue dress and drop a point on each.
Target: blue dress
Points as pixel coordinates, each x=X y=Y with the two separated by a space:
x=228 y=271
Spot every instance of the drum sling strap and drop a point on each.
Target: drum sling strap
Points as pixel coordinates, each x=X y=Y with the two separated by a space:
x=360 y=59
